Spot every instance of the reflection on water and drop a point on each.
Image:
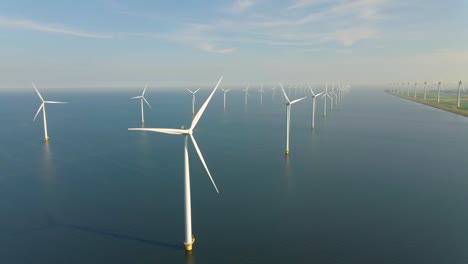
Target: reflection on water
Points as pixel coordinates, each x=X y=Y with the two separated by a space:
x=48 y=163
x=288 y=173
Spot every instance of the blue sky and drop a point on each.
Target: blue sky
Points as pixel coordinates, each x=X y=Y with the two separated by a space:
x=120 y=43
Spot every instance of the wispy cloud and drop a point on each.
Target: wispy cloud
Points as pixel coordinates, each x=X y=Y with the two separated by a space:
x=58 y=29
x=305 y=3
x=241 y=6
x=208 y=47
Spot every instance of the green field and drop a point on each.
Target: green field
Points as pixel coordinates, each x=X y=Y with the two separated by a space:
x=448 y=100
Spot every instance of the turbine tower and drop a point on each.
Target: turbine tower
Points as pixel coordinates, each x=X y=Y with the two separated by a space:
x=142 y=98
x=415 y=86
x=188 y=133
x=42 y=107
x=460 y=86
x=313 y=105
x=425 y=84
x=439 y=84
x=224 y=92
x=193 y=99
x=288 y=115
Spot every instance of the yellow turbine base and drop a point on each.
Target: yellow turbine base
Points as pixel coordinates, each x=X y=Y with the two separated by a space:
x=46 y=139
x=188 y=246
x=287 y=152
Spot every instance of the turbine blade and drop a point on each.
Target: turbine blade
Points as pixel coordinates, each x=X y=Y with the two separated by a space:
x=144 y=90
x=196 y=90
x=136 y=97
x=189 y=90
x=55 y=102
x=38 y=110
x=163 y=130
x=223 y=90
x=319 y=94
x=298 y=100
x=228 y=90
x=312 y=91
x=203 y=162
x=146 y=102
x=205 y=104
x=284 y=93
x=37 y=91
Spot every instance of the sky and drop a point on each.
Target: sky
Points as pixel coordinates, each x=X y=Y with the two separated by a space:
x=123 y=43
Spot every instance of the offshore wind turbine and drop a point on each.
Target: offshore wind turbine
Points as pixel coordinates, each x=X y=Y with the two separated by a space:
x=246 y=94
x=42 y=107
x=261 y=93
x=142 y=98
x=325 y=101
x=189 y=238
x=288 y=115
x=225 y=92
x=193 y=99
x=273 y=93
x=313 y=105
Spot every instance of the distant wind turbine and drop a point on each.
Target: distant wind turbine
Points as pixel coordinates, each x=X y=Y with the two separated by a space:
x=42 y=107
x=439 y=84
x=246 y=94
x=415 y=87
x=425 y=84
x=313 y=105
x=288 y=115
x=225 y=92
x=460 y=86
x=142 y=98
x=261 y=93
x=193 y=99
x=189 y=238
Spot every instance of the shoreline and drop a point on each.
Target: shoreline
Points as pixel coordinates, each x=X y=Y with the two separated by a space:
x=432 y=104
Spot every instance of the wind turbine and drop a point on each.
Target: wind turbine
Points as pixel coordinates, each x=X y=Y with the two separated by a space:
x=288 y=115
x=224 y=92
x=246 y=93
x=261 y=93
x=42 y=107
x=142 y=98
x=313 y=105
x=193 y=99
x=439 y=84
x=415 y=86
x=189 y=238
x=460 y=86
x=325 y=101
x=425 y=84
x=273 y=93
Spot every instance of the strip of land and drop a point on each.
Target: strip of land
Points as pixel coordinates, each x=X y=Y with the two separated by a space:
x=450 y=107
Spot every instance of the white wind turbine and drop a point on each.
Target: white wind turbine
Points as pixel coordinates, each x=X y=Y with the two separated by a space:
x=313 y=105
x=261 y=93
x=324 y=96
x=189 y=238
x=193 y=99
x=225 y=92
x=439 y=84
x=273 y=93
x=142 y=98
x=42 y=107
x=288 y=115
x=246 y=93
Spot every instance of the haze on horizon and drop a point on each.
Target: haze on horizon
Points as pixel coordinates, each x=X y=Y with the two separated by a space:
x=119 y=43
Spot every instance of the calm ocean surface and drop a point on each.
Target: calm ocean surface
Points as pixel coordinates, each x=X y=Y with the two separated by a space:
x=381 y=180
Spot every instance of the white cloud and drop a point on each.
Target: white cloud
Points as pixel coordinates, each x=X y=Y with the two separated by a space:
x=208 y=47
x=240 y=6
x=36 y=26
